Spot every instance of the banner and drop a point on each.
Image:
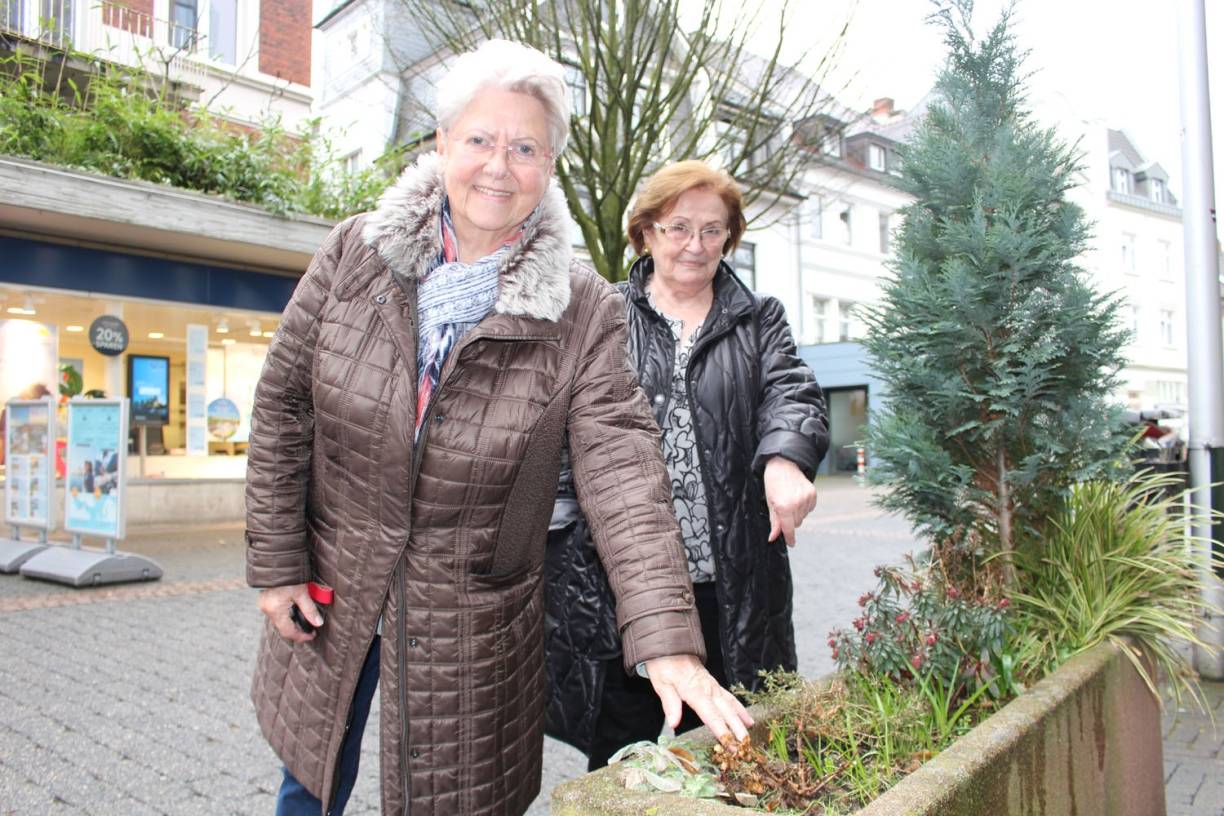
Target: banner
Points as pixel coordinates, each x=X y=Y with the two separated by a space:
x=96 y=455
x=197 y=393
x=28 y=440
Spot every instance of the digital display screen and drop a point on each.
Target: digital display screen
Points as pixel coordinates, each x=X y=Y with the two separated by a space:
x=149 y=389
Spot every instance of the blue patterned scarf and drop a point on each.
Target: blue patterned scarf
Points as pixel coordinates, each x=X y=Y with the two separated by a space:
x=451 y=300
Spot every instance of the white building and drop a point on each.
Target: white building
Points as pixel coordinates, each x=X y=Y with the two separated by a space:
x=245 y=60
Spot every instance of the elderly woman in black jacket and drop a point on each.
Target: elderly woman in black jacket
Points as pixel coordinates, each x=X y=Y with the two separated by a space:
x=744 y=426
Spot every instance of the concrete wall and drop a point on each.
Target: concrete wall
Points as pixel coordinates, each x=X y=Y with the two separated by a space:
x=1085 y=740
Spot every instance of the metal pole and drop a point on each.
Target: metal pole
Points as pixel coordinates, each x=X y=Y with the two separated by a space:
x=1203 y=336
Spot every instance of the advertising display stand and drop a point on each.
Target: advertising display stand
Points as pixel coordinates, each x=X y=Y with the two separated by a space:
x=94 y=501
x=29 y=448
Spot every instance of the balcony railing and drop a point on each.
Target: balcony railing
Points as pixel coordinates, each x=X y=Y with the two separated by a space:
x=109 y=31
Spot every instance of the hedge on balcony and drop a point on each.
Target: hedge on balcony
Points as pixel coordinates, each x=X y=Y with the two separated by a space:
x=115 y=122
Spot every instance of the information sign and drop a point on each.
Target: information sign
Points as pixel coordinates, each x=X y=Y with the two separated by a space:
x=28 y=440
x=97 y=458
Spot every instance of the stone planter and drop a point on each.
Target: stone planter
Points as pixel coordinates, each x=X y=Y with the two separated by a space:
x=1085 y=740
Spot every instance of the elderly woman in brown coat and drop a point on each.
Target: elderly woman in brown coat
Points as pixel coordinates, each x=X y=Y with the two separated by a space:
x=404 y=452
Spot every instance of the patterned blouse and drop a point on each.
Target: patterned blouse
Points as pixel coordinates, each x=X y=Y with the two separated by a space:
x=683 y=464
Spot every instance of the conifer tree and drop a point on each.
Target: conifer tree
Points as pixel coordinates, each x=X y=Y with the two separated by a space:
x=998 y=355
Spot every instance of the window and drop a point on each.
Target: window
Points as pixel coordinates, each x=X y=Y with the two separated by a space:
x=743 y=261
x=815 y=217
x=1121 y=180
x=845 y=321
x=55 y=20
x=1165 y=251
x=1157 y=190
x=1171 y=392
x=820 y=317
x=830 y=143
x=1166 y=327
x=12 y=17
x=885 y=233
x=352 y=162
x=1136 y=323
x=876 y=157
x=578 y=89
x=223 y=31
x=847 y=234
x=1128 y=253
x=183 y=20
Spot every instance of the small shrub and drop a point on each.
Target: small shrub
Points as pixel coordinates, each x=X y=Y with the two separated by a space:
x=918 y=628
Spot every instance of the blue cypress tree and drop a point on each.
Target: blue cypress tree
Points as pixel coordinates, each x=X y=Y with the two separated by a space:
x=998 y=354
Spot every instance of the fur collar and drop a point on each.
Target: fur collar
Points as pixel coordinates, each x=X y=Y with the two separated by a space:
x=535 y=275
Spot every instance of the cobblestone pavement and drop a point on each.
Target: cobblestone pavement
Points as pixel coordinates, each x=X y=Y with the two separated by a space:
x=133 y=699
x=1194 y=761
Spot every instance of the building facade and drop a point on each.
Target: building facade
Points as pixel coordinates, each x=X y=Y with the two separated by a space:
x=76 y=246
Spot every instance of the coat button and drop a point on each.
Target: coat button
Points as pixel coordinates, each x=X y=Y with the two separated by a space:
x=722 y=528
x=414 y=753
x=412 y=642
x=380 y=299
x=659 y=399
x=438 y=419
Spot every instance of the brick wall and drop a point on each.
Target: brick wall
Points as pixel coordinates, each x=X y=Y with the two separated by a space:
x=284 y=39
x=135 y=16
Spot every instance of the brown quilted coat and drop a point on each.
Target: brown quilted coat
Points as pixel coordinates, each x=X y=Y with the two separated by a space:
x=445 y=541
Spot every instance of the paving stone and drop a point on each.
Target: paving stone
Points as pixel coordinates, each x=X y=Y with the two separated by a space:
x=108 y=702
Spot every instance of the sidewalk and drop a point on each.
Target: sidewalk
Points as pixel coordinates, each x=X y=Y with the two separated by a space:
x=1194 y=755
x=132 y=700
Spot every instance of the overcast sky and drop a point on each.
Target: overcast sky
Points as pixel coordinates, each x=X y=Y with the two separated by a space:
x=1110 y=61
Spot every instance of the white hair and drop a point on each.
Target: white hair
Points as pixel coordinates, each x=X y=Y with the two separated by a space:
x=509 y=66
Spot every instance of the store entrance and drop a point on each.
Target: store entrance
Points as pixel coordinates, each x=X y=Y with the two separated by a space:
x=847 y=428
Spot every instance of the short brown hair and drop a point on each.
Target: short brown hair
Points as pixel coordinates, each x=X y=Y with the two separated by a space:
x=661 y=191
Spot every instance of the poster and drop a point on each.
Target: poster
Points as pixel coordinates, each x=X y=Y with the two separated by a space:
x=97 y=455
x=29 y=435
x=196 y=390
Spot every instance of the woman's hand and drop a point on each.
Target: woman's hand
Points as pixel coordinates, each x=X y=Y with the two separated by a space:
x=276 y=603
x=790 y=496
x=682 y=679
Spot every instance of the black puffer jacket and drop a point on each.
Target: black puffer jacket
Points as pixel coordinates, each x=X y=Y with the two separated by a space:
x=752 y=398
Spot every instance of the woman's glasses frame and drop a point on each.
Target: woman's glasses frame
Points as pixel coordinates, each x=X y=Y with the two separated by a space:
x=521 y=152
x=682 y=233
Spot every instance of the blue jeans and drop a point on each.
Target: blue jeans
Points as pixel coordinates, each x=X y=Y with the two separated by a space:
x=295 y=800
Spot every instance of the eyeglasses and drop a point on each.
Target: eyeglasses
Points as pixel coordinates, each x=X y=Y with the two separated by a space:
x=683 y=233
x=525 y=152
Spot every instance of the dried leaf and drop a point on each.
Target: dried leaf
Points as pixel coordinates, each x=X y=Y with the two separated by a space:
x=746 y=799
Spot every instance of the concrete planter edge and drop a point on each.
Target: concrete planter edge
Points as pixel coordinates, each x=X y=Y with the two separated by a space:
x=1085 y=740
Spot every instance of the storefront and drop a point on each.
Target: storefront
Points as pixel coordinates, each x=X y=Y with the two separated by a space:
x=166 y=265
